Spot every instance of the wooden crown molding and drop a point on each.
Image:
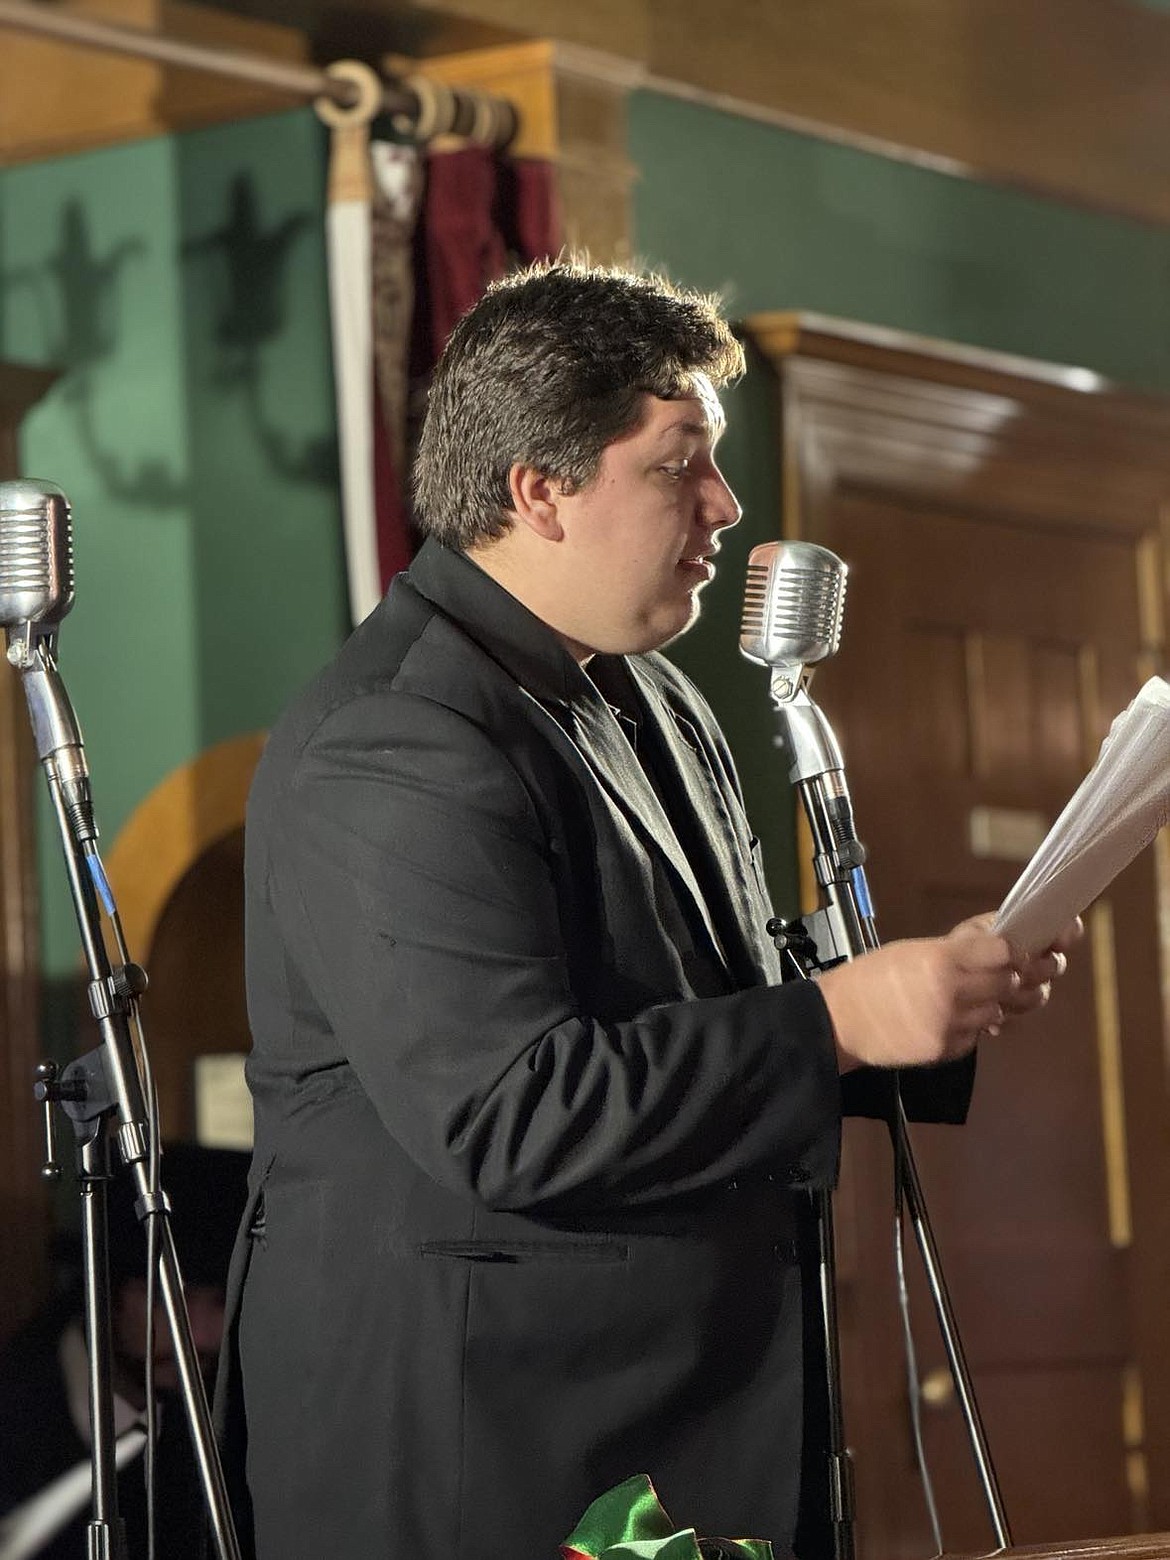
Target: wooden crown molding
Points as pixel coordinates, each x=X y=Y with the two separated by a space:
x=58 y=98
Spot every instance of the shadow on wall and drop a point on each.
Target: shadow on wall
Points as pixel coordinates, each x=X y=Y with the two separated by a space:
x=77 y=294
x=250 y=279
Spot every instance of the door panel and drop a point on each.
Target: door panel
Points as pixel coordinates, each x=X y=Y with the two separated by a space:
x=1008 y=526
x=981 y=664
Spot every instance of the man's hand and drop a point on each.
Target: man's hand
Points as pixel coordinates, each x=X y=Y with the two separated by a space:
x=929 y=1000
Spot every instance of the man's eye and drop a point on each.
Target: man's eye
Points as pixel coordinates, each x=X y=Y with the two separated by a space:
x=678 y=469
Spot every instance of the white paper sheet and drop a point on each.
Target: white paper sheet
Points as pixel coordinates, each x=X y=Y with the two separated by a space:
x=1115 y=812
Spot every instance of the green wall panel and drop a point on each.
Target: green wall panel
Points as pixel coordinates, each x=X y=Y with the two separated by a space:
x=179 y=284
x=90 y=286
x=783 y=221
x=268 y=580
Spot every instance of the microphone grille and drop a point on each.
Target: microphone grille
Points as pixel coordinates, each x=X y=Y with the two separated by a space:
x=794 y=600
x=755 y=599
x=36 y=553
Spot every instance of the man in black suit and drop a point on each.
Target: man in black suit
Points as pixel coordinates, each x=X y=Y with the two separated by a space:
x=535 y=1119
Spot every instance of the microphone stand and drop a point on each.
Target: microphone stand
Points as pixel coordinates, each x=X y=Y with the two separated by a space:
x=843 y=928
x=96 y=1090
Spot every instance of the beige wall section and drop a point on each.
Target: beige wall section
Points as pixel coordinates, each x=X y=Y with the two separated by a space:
x=622 y=27
x=56 y=99
x=1064 y=96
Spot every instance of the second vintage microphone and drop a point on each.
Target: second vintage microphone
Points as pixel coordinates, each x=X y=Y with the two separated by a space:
x=793 y=606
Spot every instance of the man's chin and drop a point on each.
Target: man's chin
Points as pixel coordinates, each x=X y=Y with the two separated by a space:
x=681 y=627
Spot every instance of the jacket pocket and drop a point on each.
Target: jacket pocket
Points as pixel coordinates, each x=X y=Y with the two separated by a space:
x=579 y=1251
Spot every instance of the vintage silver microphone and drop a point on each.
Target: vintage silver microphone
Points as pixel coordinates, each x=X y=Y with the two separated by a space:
x=794 y=601
x=36 y=592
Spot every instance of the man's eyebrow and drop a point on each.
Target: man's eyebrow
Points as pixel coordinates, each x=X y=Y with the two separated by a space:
x=699 y=430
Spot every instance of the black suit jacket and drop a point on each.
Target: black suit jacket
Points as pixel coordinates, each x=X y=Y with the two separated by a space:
x=533 y=1114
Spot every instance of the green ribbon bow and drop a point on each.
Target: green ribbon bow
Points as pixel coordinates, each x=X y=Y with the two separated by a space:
x=628 y=1523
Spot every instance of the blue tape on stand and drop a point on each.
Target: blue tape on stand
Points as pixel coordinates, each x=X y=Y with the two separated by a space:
x=98 y=873
x=861 y=894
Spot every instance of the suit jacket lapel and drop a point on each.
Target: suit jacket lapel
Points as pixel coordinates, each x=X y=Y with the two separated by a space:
x=606 y=748
x=722 y=843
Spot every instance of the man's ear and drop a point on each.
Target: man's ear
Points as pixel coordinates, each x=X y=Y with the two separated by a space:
x=535 y=499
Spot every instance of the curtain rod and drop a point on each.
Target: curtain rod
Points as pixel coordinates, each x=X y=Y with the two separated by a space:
x=419 y=105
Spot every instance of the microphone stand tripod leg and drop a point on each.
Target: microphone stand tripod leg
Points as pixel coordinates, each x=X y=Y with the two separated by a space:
x=911 y=1188
x=841 y=1507
x=105 y=1538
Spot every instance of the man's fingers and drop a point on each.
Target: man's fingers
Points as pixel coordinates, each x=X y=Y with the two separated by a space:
x=986 y=1018
x=1071 y=935
x=932 y=999
x=1029 y=999
x=1044 y=969
x=975 y=949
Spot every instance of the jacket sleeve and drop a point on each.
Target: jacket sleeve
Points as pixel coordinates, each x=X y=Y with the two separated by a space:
x=415 y=895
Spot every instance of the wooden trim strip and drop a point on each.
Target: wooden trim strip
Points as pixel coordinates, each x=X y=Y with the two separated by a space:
x=1113 y=1133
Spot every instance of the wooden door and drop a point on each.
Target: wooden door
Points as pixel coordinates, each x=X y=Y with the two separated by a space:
x=997 y=619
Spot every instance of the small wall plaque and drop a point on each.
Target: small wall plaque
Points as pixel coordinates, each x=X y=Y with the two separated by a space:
x=1005 y=833
x=223 y=1106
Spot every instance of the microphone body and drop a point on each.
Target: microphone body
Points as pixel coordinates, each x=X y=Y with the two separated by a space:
x=36 y=592
x=793 y=607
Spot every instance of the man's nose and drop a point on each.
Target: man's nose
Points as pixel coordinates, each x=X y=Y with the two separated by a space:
x=721 y=508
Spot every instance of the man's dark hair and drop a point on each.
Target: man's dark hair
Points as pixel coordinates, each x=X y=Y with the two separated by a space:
x=547 y=369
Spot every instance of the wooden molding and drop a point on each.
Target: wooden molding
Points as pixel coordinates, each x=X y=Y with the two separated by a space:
x=58 y=98
x=524 y=73
x=881 y=400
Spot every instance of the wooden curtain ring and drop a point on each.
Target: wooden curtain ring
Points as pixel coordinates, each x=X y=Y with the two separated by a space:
x=370 y=95
x=486 y=121
x=436 y=109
